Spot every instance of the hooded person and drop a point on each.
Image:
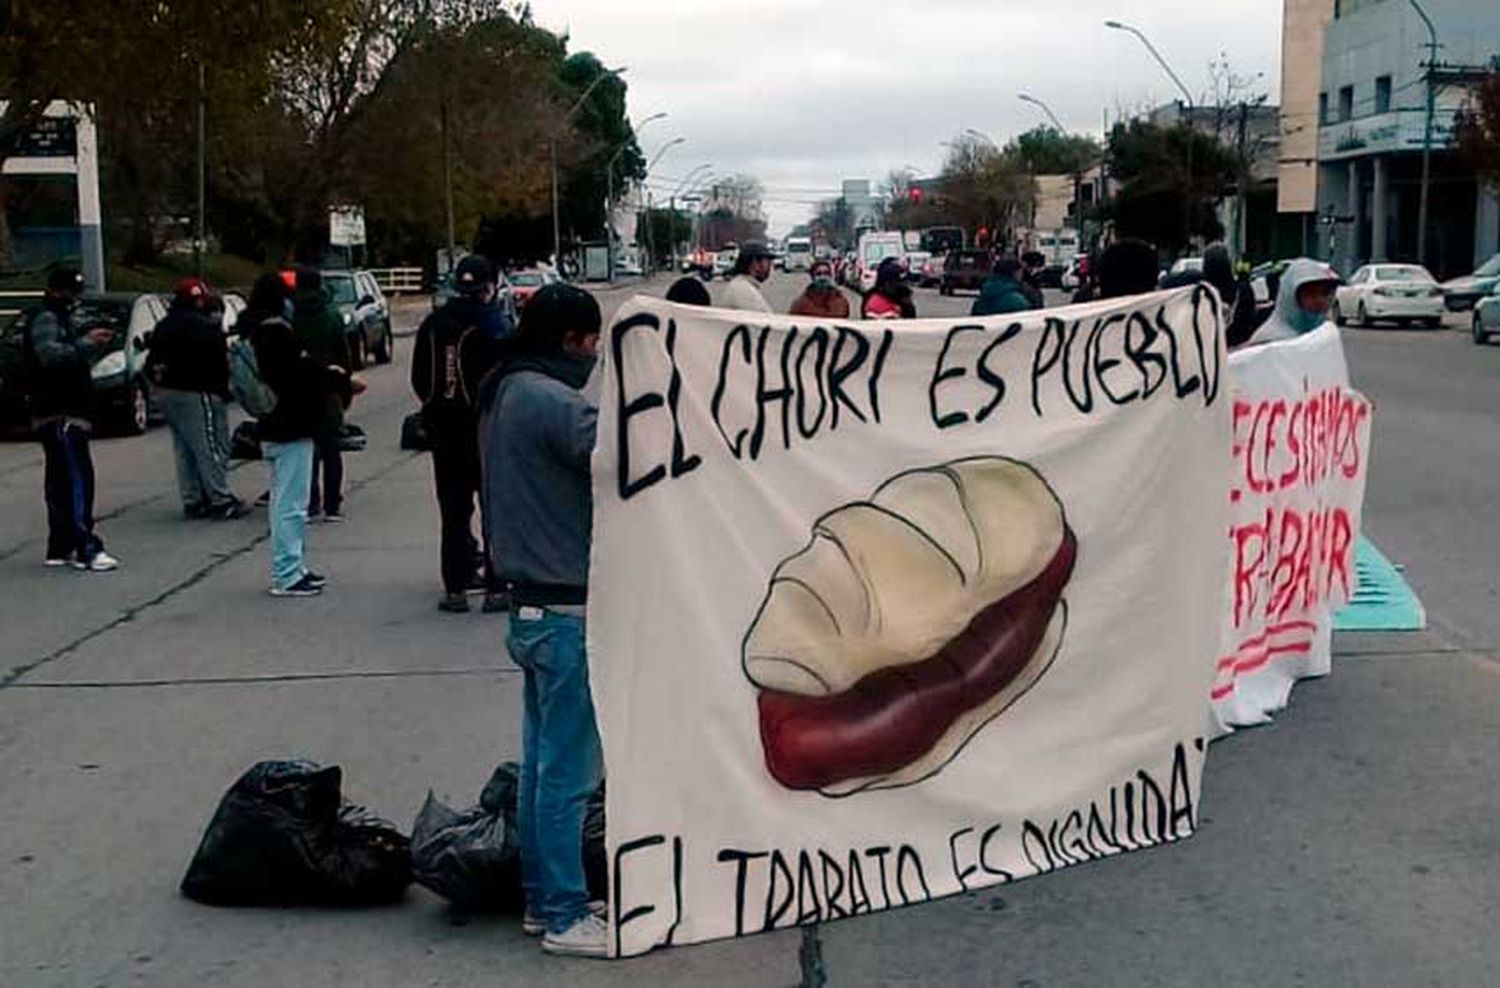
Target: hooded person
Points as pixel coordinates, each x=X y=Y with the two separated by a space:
x=891 y=296
x=454 y=349
x=751 y=268
x=1003 y=291
x=822 y=298
x=1302 y=301
x=320 y=329
x=537 y=432
x=189 y=370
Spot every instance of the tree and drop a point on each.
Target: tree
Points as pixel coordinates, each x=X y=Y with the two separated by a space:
x=1048 y=151
x=1157 y=191
x=985 y=187
x=600 y=134
x=662 y=231
x=1478 y=130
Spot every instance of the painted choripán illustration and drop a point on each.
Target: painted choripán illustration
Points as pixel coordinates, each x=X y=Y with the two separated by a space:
x=909 y=622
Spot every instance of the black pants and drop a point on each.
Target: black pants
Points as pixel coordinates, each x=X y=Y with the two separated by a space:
x=455 y=469
x=328 y=462
x=69 y=486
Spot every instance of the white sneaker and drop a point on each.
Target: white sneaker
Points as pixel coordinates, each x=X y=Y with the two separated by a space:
x=55 y=561
x=589 y=937
x=533 y=926
x=102 y=562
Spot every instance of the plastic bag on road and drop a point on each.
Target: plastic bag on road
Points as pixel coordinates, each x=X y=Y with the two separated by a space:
x=283 y=836
x=472 y=858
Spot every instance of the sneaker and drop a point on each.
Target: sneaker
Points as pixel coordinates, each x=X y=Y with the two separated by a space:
x=496 y=603
x=313 y=514
x=454 y=603
x=316 y=579
x=101 y=562
x=333 y=517
x=589 y=937
x=229 y=512
x=533 y=926
x=304 y=587
x=55 y=561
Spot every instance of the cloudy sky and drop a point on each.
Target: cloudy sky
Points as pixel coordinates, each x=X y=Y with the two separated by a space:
x=803 y=94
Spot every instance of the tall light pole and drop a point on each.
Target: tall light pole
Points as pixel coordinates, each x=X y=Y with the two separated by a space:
x=609 y=190
x=981 y=135
x=1187 y=205
x=1026 y=98
x=1432 y=47
x=556 y=221
x=672 y=211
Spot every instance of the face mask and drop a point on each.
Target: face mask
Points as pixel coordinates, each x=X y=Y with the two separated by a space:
x=822 y=282
x=1305 y=322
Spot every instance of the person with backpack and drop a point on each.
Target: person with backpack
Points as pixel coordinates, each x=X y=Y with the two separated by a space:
x=58 y=360
x=320 y=330
x=453 y=351
x=288 y=390
x=189 y=370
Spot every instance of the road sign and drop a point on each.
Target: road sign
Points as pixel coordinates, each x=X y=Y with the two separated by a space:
x=346 y=226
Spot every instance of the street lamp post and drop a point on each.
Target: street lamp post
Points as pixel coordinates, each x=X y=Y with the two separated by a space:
x=1432 y=47
x=1026 y=98
x=1187 y=205
x=556 y=220
x=609 y=191
x=672 y=209
x=1077 y=174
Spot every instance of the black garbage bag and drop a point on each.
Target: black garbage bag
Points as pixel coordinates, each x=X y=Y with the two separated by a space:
x=472 y=858
x=414 y=433
x=283 y=836
x=244 y=442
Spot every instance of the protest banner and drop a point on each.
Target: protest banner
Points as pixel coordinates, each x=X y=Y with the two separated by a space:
x=881 y=612
x=1300 y=451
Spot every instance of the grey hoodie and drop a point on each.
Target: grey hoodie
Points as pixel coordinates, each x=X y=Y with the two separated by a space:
x=1290 y=320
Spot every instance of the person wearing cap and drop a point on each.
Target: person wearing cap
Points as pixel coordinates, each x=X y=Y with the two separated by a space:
x=1302 y=301
x=537 y=429
x=891 y=296
x=189 y=372
x=60 y=388
x=822 y=298
x=751 y=268
x=455 y=347
x=320 y=329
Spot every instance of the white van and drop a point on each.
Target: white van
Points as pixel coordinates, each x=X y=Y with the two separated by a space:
x=798 y=256
x=875 y=247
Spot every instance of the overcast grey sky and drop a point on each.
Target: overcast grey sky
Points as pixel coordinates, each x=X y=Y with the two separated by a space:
x=803 y=94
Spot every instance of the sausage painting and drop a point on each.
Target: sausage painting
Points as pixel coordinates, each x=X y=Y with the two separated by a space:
x=909 y=622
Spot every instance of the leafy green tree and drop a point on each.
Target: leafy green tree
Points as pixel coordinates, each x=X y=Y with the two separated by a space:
x=1159 y=199
x=1048 y=151
x=1478 y=127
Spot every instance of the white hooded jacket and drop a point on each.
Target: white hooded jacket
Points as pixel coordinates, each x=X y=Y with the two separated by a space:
x=1289 y=320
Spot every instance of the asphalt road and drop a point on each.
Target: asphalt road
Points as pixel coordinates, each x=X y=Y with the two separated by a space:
x=1352 y=842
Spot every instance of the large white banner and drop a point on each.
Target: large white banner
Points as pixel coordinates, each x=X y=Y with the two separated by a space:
x=1300 y=451
x=881 y=612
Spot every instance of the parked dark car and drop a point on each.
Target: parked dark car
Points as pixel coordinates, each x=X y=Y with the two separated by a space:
x=366 y=315
x=1462 y=293
x=122 y=395
x=965 y=270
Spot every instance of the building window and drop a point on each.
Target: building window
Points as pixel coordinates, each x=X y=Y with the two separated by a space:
x=1323 y=108
x=1346 y=103
x=1383 y=94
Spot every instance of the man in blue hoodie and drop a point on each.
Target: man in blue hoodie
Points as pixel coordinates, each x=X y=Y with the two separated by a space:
x=537 y=431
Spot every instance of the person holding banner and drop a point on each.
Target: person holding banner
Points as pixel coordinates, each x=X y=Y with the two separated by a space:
x=1302 y=301
x=891 y=296
x=822 y=298
x=537 y=429
x=751 y=267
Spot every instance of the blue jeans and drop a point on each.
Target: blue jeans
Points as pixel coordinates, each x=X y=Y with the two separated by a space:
x=561 y=762
x=69 y=484
x=291 y=479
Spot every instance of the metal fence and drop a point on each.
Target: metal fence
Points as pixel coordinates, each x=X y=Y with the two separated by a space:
x=398 y=281
x=13 y=303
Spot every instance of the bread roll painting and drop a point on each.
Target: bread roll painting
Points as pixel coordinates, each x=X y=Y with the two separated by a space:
x=908 y=623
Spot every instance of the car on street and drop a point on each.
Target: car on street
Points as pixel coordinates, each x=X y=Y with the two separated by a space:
x=799 y=253
x=122 y=395
x=526 y=282
x=1463 y=293
x=366 y=314
x=874 y=247
x=916 y=262
x=964 y=270
x=1403 y=293
x=724 y=261
x=1487 y=316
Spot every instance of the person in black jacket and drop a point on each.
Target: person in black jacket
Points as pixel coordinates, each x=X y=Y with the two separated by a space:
x=453 y=352
x=189 y=367
x=58 y=361
x=303 y=388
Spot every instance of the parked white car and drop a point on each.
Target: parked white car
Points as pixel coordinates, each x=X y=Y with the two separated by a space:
x=1487 y=317
x=1403 y=293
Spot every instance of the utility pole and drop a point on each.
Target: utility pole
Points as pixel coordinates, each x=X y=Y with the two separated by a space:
x=448 y=182
x=201 y=233
x=1432 y=47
